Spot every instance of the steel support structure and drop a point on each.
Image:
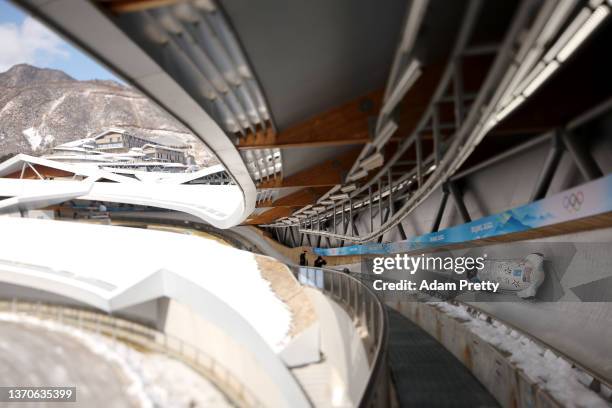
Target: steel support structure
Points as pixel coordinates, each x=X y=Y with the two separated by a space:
x=472 y=122
x=584 y=161
x=458 y=199
x=435 y=226
x=549 y=168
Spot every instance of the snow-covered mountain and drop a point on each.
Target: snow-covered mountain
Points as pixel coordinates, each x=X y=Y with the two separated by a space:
x=41 y=108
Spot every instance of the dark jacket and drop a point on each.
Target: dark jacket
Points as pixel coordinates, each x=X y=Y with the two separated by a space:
x=303 y=261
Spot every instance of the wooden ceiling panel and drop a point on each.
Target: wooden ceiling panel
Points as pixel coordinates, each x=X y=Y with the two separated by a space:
x=299 y=198
x=326 y=174
x=346 y=124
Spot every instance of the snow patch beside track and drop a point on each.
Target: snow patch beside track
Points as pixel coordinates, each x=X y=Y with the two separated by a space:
x=155 y=380
x=555 y=374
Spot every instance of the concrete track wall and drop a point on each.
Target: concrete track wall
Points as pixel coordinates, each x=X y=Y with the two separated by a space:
x=343 y=348
x=184 y=323
x=492 y=367
x=148 y=313
x=571 y=311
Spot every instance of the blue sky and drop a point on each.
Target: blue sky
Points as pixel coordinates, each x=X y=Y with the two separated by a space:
x=24 y=40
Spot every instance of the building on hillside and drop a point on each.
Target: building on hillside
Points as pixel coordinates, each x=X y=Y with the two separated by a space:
x=118 y=141
x=164 y=153
x=116 y=148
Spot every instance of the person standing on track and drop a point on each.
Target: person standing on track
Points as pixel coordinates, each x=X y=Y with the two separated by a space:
x=303 y=260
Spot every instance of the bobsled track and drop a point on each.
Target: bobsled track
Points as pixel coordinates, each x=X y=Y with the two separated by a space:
x=424 y=365
x=412 y=343
x=29 y=355
x=348 y=129
x=419 y=352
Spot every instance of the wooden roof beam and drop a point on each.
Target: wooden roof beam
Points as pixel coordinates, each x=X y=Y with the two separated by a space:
x=299 y=198
x=45 y=171
x=345 y=125
x=326 y=174
x=270 y=215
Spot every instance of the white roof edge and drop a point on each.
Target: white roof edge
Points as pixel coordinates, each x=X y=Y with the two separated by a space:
x=13 y=164
x=129 y=61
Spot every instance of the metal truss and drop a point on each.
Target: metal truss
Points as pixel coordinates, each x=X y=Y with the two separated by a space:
x=263 y=164
x=533 y=43
x=560 y=140
x=220 y=178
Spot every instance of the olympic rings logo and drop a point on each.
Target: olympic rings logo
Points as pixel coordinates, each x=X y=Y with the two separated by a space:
x=573 y=202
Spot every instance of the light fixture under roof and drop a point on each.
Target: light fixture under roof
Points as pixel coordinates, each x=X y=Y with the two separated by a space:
x=373 y=161
x=348 y=188
x=337 y=197
x=541 y=78
x=583 y=25
x=411 y=74
x=510 y=107
x=583 y=32
x=358 y=175
x=385 y=134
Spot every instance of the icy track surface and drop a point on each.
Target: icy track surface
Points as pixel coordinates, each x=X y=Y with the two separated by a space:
x=107 y=374
x=108 y=260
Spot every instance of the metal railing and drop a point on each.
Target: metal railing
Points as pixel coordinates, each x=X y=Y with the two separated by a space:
x=368 y=313
x=142 y=336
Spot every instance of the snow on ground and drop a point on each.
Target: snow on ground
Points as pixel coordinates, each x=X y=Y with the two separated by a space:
x=155 y=380
x=553 y=373
x=35 y=139
x=77 y=254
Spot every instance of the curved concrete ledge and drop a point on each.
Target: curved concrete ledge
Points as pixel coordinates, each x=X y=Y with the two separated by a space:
x=218 y=205
x=341 y=343
x=119 y=290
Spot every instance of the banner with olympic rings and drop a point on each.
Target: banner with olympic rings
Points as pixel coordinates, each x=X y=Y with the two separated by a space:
x=588 y=199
